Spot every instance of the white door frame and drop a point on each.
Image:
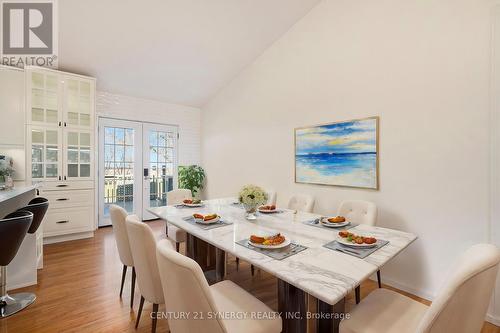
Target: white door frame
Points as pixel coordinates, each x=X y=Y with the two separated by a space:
x=137 y=126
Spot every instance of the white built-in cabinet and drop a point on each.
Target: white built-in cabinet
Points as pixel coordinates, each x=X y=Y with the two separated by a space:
x=60 y=154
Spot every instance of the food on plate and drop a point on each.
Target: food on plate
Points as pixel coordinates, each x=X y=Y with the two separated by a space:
x=191 y=201
x=268 y=207
x=356 y=239
x=210 y=217
x=268 y=240
x=257 y=239
x=205 y=218
x=336 y=219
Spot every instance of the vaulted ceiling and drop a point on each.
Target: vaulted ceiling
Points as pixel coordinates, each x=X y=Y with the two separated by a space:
x=177 y=51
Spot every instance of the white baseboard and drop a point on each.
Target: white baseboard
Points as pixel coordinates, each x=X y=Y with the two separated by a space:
x=493 y=319
x=65 y=238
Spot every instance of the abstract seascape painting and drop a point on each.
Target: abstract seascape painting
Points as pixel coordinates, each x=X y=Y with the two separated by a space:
x=341 y=154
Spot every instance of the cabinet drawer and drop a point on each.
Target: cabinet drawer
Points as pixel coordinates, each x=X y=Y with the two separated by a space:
x=67 y=185
x=68 y=220
x=63 y=199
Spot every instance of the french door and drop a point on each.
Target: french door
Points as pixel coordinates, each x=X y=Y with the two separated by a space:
x=137 y=166
x=159 y=165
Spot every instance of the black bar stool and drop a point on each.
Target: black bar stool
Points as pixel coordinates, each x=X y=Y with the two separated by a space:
x=13 y=229
x=38 y=207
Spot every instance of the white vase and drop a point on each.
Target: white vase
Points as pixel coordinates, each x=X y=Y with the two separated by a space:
x=9 y=182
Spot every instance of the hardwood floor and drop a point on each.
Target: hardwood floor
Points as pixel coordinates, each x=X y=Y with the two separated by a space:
x=79 y=286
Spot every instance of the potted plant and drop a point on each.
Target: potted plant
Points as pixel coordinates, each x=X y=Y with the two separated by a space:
x=191 y=177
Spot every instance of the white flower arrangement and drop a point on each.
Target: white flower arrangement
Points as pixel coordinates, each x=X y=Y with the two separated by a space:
x=6 y=168
x=252 y=196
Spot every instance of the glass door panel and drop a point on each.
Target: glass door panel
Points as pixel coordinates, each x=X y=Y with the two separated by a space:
x=45 y=98
x=160 y=165
x=79 y=103
x=45 y=153
x=78 y=155
x=119 y=181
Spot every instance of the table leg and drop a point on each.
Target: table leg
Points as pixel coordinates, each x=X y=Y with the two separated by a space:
x=292 y=306
x=220 y=264
x=326 y=311
x=190 y=240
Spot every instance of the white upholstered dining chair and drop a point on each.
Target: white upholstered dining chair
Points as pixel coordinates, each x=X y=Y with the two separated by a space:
x=143 y=246
x=360 y=212
x=187 y=291
x=301 y=203
x=118 y=216
x=460 y=306
x=175 y=197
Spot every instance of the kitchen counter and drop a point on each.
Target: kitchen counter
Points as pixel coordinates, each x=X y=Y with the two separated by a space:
x=13 y=199
x=21 y=272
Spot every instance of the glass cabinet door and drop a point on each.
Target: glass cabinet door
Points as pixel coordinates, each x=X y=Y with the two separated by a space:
x=79 y=101
x=45 y=99
x=45 y=153
x=79 y=154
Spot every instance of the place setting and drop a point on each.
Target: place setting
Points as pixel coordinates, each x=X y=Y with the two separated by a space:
x=275 y=245
x=269 y=209
x=190 y=203
x=331 y=222
x=356 y=245
x=207 y=221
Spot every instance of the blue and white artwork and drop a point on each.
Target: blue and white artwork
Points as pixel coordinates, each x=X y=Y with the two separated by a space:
x=343 y=154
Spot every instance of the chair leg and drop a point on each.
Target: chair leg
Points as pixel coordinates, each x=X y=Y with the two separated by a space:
x=155 y=317
x=237 y=264
x=132 y=289
x=379 y=279
x=252 y=268
x=141 y=304
x=357 y=291
x=124 y=272
x=177 y=246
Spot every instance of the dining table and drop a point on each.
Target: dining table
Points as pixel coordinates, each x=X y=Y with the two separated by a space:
x=312 y=283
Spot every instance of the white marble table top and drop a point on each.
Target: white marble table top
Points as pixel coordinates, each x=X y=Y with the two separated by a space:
x=323 y=273
x=8 y=194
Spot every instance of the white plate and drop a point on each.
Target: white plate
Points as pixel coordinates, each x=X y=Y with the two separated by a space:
x=201 y=221
x=193 y=205
x=279 y=246
x=343 y=241
x=324 y=221
x=267 y=211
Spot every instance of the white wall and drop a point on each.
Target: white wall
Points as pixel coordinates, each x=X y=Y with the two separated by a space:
x=139 y=109
x=423 y=67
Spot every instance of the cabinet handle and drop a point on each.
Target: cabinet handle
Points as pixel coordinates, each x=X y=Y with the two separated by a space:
x=62 y=185
x=59 y=177
x=64 y=124
x=64 y=177
x=61 y=222
x=60 y=124
x=62 y=199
